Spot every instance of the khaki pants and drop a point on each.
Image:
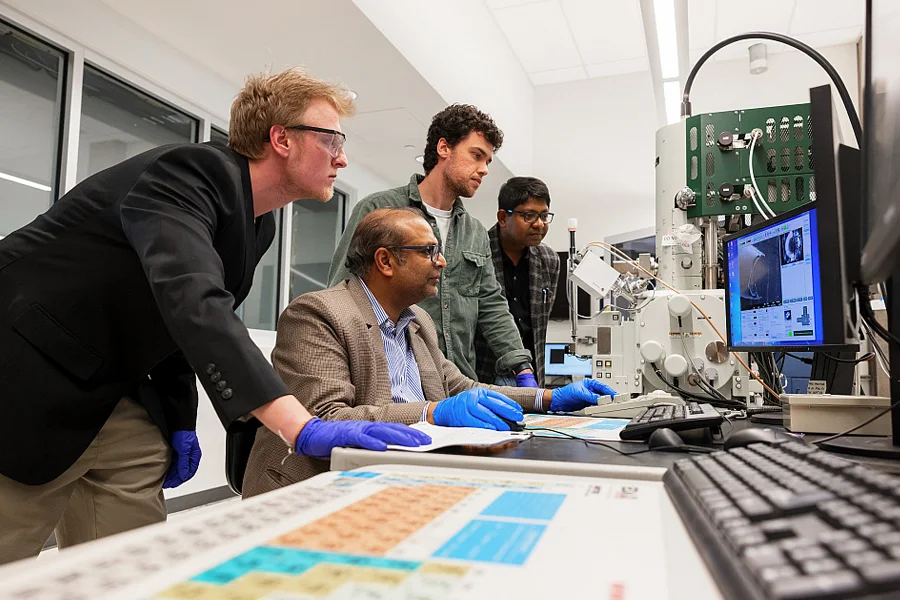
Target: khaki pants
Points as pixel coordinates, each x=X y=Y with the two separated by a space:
x=116 y=485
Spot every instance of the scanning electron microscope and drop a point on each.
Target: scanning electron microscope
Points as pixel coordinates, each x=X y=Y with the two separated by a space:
x=664 y=319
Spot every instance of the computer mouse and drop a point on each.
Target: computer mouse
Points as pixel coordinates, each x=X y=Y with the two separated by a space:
x=664 y=438
x=513 y=425
x=755 y=435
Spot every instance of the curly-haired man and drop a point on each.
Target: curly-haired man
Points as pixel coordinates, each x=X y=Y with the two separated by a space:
x=460 y=145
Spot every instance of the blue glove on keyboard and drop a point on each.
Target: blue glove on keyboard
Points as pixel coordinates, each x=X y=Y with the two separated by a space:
x=318 y=438
x=477 y=407
x=185 y=459
x=526 y=380
x=578 y=395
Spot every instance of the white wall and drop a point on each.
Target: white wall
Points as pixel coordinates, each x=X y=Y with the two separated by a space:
x=594 y=139
x=464 y=56
x=594 y=148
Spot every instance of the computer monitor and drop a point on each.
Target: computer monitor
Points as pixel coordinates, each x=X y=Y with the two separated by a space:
x=774 y=283
x=876 y=217
x=881 y=186
x=558 y=362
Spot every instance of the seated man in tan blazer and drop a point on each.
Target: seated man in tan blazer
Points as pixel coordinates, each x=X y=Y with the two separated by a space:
x=363 y=350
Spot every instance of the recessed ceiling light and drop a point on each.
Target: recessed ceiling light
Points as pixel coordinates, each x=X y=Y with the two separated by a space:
x=353 y=95
x=420 y=158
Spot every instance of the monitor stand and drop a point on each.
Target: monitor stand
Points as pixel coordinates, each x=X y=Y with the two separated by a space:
x=880 y=447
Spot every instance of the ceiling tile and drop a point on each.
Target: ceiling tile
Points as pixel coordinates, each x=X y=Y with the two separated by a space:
x=606 y=30
x=618 y=67
x=832 y=37
x=539 y=35
x=701 y=24
x=823 y=15
x=557 y=76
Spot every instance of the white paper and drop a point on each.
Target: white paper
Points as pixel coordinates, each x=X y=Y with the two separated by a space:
x=442 y=437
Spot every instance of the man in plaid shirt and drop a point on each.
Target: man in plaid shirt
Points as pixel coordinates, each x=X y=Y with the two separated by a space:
x=526 y=269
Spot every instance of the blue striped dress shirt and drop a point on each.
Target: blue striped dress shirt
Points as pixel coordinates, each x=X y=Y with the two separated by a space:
x=406 y=385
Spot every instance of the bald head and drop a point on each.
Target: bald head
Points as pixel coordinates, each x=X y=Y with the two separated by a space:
x=381 y=228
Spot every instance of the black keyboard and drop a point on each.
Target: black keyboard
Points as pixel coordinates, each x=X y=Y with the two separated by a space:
x=788 y=522
x=691 y=415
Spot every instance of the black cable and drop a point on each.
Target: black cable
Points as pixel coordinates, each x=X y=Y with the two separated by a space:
x=865 y=309
x=777 y=37
x=765 y=361
x=701 y=382
x=585 y=440
x=686 y=394
x=863 y=424
x=852 y=361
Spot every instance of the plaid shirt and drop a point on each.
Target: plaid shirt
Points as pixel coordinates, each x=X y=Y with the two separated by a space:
x=543 y=271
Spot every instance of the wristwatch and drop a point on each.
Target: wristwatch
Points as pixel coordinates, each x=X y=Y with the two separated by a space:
x=522 y=366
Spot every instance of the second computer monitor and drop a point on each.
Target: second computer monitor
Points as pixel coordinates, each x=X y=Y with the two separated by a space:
x=773 y=278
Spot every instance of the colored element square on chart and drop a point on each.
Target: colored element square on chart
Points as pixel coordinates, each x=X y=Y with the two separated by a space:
x=525 y=505
x=493 y=542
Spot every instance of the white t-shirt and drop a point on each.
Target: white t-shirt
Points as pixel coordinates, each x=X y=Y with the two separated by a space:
x=443 y=220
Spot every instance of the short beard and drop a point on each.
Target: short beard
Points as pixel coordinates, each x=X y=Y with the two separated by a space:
x=458 y=190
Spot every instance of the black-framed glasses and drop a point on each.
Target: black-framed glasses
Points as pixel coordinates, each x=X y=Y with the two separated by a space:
x=432 y=250
x=530 y=216
x=331 y=140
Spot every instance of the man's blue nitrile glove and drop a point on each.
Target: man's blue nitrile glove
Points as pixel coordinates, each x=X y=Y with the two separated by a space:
x=477 y=407
x=526 y=380
x=186 y=459
x=578 y=395
x=318 y=437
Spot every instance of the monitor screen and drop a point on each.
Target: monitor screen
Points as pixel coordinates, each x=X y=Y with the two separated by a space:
x=558 y=362
x=774 y=284
x=879 y=259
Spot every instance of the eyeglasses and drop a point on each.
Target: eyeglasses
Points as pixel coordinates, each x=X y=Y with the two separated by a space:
x=431 y=250
x=530 y=217
x=332 y=141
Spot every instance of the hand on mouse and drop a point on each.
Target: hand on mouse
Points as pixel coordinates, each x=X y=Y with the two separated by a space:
x=477 y=407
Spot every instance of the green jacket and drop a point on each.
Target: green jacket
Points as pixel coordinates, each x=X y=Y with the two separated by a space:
x=468 y=293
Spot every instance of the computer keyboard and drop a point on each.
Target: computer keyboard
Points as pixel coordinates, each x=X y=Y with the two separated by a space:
x=789 y=521
x=692 y=415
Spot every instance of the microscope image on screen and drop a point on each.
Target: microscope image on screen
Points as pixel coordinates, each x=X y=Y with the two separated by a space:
x=759 y=265
x=792 y=246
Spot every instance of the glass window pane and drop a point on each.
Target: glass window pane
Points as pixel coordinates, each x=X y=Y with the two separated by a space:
x=119 y=121
x=31 y=83
x=218 y=136
x=260 y=309
x=316 y=230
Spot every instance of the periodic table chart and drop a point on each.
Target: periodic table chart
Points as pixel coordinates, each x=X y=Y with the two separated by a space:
x=386 y=532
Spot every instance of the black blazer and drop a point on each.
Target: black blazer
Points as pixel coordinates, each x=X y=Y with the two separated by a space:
x=127 y=286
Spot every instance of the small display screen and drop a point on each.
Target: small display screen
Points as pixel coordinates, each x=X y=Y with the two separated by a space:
x=558 y=362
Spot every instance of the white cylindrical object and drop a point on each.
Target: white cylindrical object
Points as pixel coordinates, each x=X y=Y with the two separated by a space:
x=652 y=351
x=573 y=224
x=679 y=306
x=759 y=61
x=676 y=365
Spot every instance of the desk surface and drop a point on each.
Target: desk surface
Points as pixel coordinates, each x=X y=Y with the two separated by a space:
x=561 y=456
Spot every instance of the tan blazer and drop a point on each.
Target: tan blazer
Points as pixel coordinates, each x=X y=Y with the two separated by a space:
x=330 y=353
